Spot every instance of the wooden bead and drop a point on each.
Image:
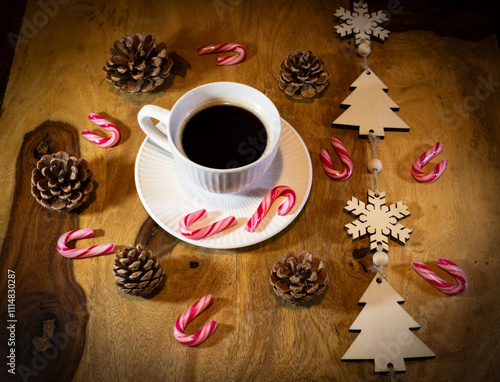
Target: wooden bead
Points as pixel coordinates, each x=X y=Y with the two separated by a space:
x=374 y=166
x=380 y=259
x=364 y=49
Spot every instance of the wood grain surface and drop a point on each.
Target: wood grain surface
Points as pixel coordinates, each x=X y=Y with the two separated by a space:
x=447 y=86
x=39 y=274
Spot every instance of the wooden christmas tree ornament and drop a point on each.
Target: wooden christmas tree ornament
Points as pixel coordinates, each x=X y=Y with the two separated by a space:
x=369 y=108
x=385 y=330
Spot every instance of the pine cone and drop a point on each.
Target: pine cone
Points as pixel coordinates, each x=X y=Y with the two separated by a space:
x=303 y=74
x=137 y=270
x=298 y=278
x=138 y=64
x=61 y=182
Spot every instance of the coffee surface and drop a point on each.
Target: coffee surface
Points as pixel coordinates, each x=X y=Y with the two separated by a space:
x=224 y=136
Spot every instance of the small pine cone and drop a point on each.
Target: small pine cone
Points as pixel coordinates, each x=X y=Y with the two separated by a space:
x=138 y=64
x=302 y=74
x=137 y=270
x=298 y=278
x=61 y=182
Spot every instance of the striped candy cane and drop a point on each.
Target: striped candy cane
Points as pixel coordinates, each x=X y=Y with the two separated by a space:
x=187 y=316
x=106 y=125
x=438 y=282
x=264 y=206
x=229 y=47
x=416 y=169
x=344 y=157
x=205 y=231
x=76 y=253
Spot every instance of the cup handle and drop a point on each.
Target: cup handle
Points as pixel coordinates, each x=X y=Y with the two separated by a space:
x=159 y=113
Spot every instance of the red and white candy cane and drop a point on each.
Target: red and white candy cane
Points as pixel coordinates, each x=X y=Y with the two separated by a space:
x=76 y=253
x=438 y=282
x=106 y=125
x=344 y=157
x=205 y=231
x=264 y=206
x=187 y=316
x=416 y=169
x=229 y=47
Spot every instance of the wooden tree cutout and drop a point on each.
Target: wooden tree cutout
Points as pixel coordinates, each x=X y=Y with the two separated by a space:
x=370 y=108
x=385 y=327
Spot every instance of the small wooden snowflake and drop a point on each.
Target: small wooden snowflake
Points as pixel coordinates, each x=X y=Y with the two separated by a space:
x=377 y=220
x=361 y=24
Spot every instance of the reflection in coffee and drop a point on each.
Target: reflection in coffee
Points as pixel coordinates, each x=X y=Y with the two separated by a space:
x=224 y=135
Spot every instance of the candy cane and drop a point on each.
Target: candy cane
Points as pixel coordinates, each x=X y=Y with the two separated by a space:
x=187 y=316
x=106 y=125
x=229 y=47
x=205 y=231
x=344 y=157
x=416 y=169
x=266 y=204
x=439 y=283
x=94 y=250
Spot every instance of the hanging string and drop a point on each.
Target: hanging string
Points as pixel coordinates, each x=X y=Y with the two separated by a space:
x=364 y=63
x=380 y=257
x=393 y=377
x=373 y=140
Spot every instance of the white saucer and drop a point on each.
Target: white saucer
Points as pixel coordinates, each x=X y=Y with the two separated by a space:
x=168 y=197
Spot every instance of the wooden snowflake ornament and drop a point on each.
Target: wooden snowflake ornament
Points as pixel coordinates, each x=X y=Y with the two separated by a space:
x=369 y=108
x=377 y=220
x=361 y=24
x=385 y=330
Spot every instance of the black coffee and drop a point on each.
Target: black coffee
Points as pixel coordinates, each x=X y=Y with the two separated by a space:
x=224 y=136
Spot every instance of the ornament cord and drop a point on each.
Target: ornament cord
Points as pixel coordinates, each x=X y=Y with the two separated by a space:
x=364 y=64
x=373 y=140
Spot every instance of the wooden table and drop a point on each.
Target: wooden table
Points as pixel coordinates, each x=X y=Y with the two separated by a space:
x=447 y=88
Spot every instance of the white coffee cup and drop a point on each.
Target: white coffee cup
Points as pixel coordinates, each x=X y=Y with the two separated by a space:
x=222 y=181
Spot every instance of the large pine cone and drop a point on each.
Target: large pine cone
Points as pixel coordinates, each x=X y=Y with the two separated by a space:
x=61 y=182
x=138 y=64
x=303 y=74
x=298 y=278
x=137 y=270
